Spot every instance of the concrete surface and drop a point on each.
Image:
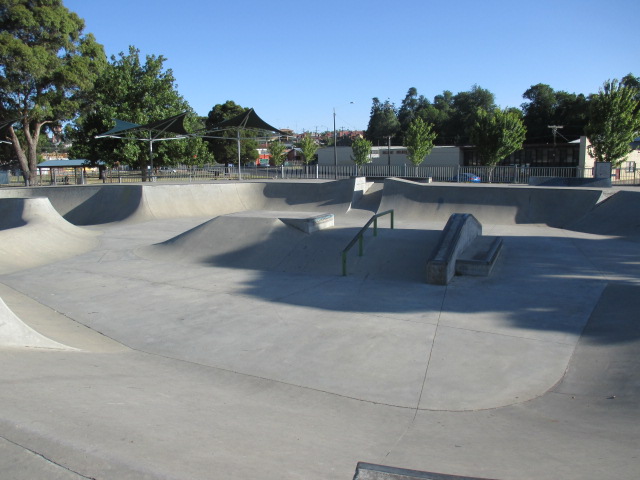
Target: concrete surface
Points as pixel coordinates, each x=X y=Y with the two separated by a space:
x=213 y=346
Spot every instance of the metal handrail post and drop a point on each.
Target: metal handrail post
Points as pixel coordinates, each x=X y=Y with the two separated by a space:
x=375 y=227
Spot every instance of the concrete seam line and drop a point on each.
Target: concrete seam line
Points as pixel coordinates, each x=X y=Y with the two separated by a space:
x=424 y=380
x=46 y=459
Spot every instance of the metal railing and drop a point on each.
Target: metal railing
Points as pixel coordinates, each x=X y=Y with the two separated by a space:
x=514 y=174
x=360 y=238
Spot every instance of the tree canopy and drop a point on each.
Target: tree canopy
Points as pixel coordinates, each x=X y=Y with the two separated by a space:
x=136 y=92
x=383 y=122
x=497 y=134
x=614 y=121
x=47 y=70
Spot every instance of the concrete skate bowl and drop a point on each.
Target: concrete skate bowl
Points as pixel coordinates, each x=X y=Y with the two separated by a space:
x=556 y=207
x=100 y=204
x=617 y=216
x=33 y=233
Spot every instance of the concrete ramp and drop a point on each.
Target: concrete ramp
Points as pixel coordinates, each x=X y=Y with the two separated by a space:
x=15 y=333
x=32 y=233
x=503 y=205
x=100 y=204
x=618 y=215
x=255 y=240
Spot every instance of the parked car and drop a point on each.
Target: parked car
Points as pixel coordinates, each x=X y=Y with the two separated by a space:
x=466 y=177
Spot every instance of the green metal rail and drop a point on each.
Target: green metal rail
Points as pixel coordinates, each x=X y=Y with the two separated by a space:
x=359 y=238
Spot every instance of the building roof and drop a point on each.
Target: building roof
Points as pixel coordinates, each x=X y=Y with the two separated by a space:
x=80 y=162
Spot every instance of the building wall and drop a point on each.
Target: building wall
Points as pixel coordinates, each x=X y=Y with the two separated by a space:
x=439 y=156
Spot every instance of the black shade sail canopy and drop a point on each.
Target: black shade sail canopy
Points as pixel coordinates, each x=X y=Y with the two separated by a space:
x=248 y=120
x=172 y=125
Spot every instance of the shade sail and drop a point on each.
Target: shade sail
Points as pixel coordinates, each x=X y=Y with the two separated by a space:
x=173 y=125
x=246 y=120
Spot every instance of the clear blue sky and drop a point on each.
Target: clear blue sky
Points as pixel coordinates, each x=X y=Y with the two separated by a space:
x=295 y=61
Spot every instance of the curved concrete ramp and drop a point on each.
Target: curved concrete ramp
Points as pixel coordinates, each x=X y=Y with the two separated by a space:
x=99 y=204
x=616 y=216
x=260 y=240
x=15 y=333
x=32 y=233
x=504 y=205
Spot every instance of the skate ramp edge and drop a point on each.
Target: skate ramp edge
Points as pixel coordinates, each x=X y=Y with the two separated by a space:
x=15 y=333
x=369 y=471
x=489 y=204
x=33 y=233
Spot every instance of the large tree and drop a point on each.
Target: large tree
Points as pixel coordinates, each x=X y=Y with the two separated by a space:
x=136 y=92
x=464 y=114
x=225 y=149
x=546 y=107
x=47 y=67
x=419 y=140
x=614 y=121
x=497 y=134
x=383 y=122
x=278 y=152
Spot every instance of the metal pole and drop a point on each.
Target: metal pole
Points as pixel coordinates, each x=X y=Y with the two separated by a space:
x=239 y=172
x=335 y=145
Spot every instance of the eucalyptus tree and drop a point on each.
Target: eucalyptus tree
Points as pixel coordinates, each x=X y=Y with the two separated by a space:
x=47 y=68
x=614 y=121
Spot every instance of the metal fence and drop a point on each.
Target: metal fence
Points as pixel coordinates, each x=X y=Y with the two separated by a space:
x=521 y=175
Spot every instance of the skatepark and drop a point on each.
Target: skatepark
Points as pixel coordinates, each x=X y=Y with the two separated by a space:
x=201 y=331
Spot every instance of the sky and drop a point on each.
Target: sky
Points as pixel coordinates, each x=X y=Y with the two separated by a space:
x=296 y=62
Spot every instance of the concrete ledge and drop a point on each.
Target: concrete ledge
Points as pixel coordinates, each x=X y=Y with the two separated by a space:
x=480 y=257
x=461 y=229
x=570 y=182
x=368 y=471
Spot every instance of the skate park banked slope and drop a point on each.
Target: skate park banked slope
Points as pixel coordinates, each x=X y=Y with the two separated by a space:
x=503 y=205
x=100 y=204
x=33 y=233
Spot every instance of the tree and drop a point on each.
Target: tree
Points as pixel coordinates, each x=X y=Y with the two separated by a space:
x=225 y=149
x=139 y=93
x=545 y=107
x=497 y=134
x=277 y=150
x=47 y=67
x=309 y=148
x=419 y=140
x=383 y=122
x=614 y=121
x=465 y=107
x=361 y=151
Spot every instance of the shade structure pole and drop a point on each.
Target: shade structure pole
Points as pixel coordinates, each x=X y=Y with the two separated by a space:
x=150 y=157
x=239 y=172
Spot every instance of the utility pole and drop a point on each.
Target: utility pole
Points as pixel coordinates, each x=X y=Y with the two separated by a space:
x=554 y=130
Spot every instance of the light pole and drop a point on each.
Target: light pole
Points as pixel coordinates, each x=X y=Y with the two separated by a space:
x=335 y=146
x=335 y=143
